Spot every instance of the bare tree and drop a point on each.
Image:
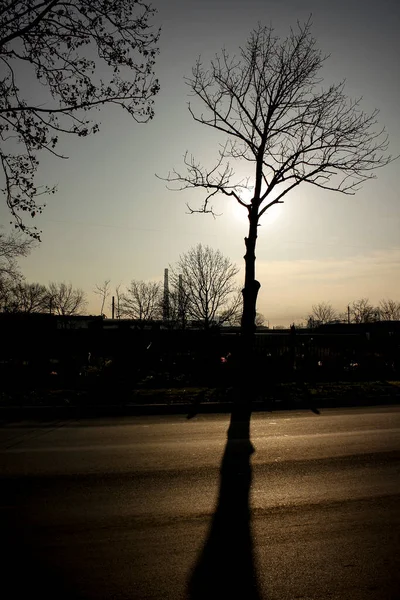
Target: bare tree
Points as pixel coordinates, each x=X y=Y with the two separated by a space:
x=232 y=313
x=83 y=54
x=142 y=301
x=270 y=104
x=208 y=283
x=322 y=313
x=103 y=290
x=12 y=247
x=118 y=305
x=389 y=310
x=63 y=299
x=178 y=306
x=6 y=291
x=260 y=319
x=27 y=298
x=361 y=311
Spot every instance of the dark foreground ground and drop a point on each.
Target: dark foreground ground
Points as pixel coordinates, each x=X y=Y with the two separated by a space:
x=292 y=505
x=64 y=402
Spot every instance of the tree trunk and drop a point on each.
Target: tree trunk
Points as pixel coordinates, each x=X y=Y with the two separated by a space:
x=247 y=387
x=251 y=285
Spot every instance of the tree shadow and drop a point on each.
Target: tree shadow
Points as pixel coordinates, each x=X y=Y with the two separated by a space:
x=226 y=568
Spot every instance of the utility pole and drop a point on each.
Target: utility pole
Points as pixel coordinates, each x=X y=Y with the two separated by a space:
x=113 y=306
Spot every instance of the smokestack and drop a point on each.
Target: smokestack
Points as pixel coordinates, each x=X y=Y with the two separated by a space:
x=166 y=296
x=181 y=309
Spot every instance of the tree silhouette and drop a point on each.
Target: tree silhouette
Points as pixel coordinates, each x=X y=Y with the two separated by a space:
x=207 y=280
x=362 y=311
x=389 y=310
x=12 y=247
x=277 y=118
x=322 y=313
x=141 y=301
x=83 y=54
x=28 y=297
x=63 y=299
x=102 y=290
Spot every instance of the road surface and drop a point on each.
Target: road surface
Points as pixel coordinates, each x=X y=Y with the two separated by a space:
x=295 y=506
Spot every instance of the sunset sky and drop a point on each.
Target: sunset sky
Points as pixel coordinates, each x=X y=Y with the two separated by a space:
x=113 y=219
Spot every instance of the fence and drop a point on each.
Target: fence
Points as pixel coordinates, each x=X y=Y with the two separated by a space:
x=36 y=351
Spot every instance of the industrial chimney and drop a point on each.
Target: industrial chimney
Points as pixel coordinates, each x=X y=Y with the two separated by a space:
x=166 y=297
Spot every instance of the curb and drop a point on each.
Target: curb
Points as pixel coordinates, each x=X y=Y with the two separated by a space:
x=13 y=413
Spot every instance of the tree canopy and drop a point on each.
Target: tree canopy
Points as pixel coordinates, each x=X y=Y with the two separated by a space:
x=322 y=313
x=141 y=301
x=64 y=299
x=58 y=61
x=206 y=281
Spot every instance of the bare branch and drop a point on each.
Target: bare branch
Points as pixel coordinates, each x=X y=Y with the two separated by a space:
x=269 y=103
x=322 y=313
x=389 y=310
x=142 y=301
x=102 y=290
x=12 y=247
x=63 y=299
x=362 y=311
x=84 y=54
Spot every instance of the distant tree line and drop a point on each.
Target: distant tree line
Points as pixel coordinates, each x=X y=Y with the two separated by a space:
x=55 y=298
x=19 y=296
x=202 y=287
x=358 y=311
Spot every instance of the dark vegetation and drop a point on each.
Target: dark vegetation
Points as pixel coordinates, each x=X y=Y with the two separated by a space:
x=50 y=360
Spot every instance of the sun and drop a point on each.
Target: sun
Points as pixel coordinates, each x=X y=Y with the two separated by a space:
x=239 y=213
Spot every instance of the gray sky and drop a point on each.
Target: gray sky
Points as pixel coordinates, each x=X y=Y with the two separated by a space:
x=113 y=219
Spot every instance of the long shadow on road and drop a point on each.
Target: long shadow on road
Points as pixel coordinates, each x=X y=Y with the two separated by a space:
x=226 y=567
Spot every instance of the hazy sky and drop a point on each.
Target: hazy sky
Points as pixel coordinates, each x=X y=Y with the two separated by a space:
x=113 y=219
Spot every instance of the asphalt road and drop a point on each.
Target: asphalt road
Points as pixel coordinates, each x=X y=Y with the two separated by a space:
x=293 y=506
